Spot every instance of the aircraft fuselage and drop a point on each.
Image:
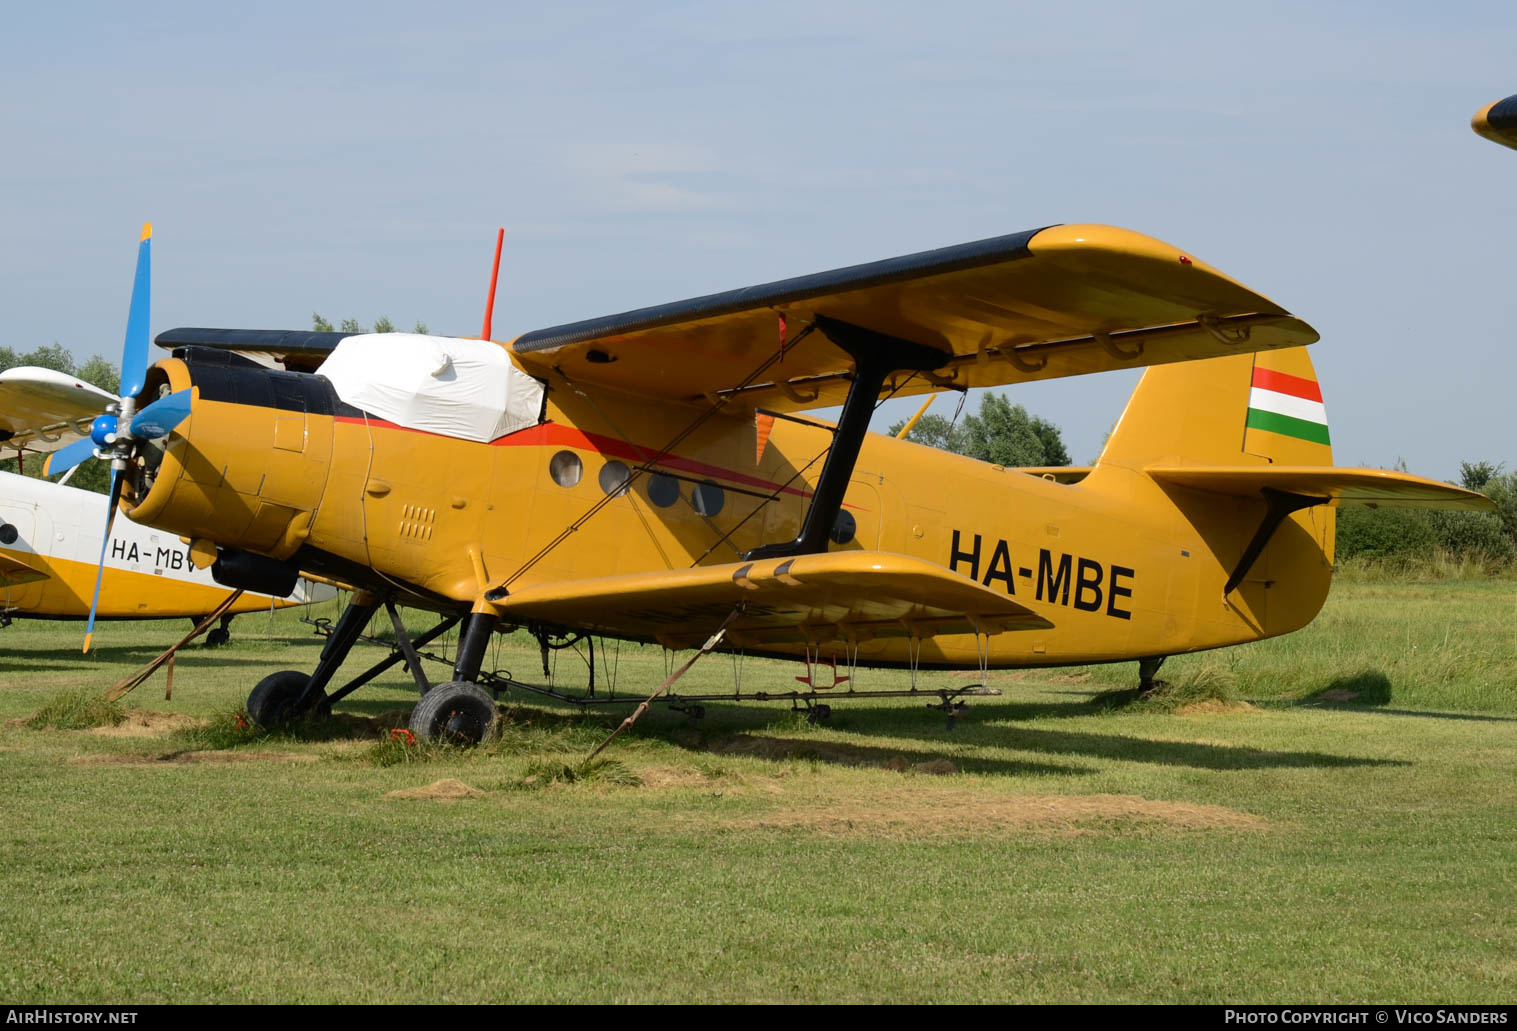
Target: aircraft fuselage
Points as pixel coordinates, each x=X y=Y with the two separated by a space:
x=273 y=463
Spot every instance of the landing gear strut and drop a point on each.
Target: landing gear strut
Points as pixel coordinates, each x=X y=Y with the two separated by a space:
x=457 y=711
x=1146 y=670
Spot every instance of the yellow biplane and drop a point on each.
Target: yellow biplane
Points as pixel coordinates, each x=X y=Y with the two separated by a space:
x=646 y=476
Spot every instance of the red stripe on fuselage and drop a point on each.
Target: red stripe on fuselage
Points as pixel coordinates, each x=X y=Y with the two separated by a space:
x=552 y=434
x=1285 y=383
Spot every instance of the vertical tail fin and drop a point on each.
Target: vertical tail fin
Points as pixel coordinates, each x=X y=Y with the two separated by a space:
x=1234 y=412
x=1244 y=409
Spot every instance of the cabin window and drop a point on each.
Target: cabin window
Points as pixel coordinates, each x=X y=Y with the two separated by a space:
x=844 y=527
x=663 y=490
x=614 y=477
x=8 y=534
x=565 y=468
x=707 y=498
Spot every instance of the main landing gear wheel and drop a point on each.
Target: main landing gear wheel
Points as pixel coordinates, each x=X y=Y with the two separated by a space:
x=459 y=712
x=272 y=703
x=217 y=637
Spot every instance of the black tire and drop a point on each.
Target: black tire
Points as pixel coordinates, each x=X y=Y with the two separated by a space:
x=217 y=637
x=456 y=711
x=272 y=703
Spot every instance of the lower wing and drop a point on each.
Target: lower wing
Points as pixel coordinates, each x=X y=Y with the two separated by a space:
x=853 y=595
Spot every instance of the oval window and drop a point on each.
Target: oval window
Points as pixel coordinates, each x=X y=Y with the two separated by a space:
x=565 y=468
x=8 y=534
x=707 y=498
x=663 y=490
x=844 y=527
x=614 y=477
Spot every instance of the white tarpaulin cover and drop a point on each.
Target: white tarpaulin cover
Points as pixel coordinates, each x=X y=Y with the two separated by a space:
x=456 y=387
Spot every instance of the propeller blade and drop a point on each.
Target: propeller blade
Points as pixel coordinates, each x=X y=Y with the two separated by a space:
x=65 y=458
x=110 y=517
x=134 y=351
x=160 y=417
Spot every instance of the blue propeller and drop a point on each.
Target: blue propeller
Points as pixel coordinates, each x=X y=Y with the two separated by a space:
x=107 y=439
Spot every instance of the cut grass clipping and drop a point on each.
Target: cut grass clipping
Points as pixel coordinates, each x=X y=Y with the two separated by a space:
x=544 y=772
x=77 y=710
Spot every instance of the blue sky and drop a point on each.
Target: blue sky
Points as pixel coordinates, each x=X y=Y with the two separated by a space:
x=356 y=159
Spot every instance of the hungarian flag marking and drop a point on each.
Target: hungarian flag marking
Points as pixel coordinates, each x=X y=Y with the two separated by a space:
x=1286 y=404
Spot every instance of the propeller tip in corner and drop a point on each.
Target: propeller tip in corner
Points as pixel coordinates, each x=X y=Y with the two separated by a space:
x=147 y=232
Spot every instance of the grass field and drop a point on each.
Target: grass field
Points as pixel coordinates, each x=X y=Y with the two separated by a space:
x=1330 y=816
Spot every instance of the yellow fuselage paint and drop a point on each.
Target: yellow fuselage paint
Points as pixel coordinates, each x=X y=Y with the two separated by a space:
x=1121 y=566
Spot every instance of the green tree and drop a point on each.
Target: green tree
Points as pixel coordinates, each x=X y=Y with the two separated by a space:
x=1503 y=491
x=934 y=431
x=1001 y=433
x=381 y=325
x=50 y=356
x=98 y=372
x=1475 y=475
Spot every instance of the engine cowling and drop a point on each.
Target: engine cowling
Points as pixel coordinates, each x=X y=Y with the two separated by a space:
x=249 y=467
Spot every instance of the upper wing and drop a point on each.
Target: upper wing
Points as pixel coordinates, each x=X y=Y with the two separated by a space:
x=847 y=594
x=1061 y=301
x=42 y=410
x=1369 y=487
x=1498 y=122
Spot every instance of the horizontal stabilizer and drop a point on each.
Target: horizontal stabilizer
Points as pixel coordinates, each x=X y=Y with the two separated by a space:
x=1373 y=488
x=856 y=595
x=42 y=409
x=13 y=571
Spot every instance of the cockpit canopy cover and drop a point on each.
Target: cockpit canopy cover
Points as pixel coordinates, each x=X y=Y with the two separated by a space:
x=456 y=387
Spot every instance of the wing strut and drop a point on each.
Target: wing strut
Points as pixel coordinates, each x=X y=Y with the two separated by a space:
x=875 y=357
x=1281 y=504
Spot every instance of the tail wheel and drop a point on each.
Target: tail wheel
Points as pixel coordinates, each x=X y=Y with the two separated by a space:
x=457 y=711
x=272 y=703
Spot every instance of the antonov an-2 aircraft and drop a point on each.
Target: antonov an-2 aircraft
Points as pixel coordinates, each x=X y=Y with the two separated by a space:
x=606 y=477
